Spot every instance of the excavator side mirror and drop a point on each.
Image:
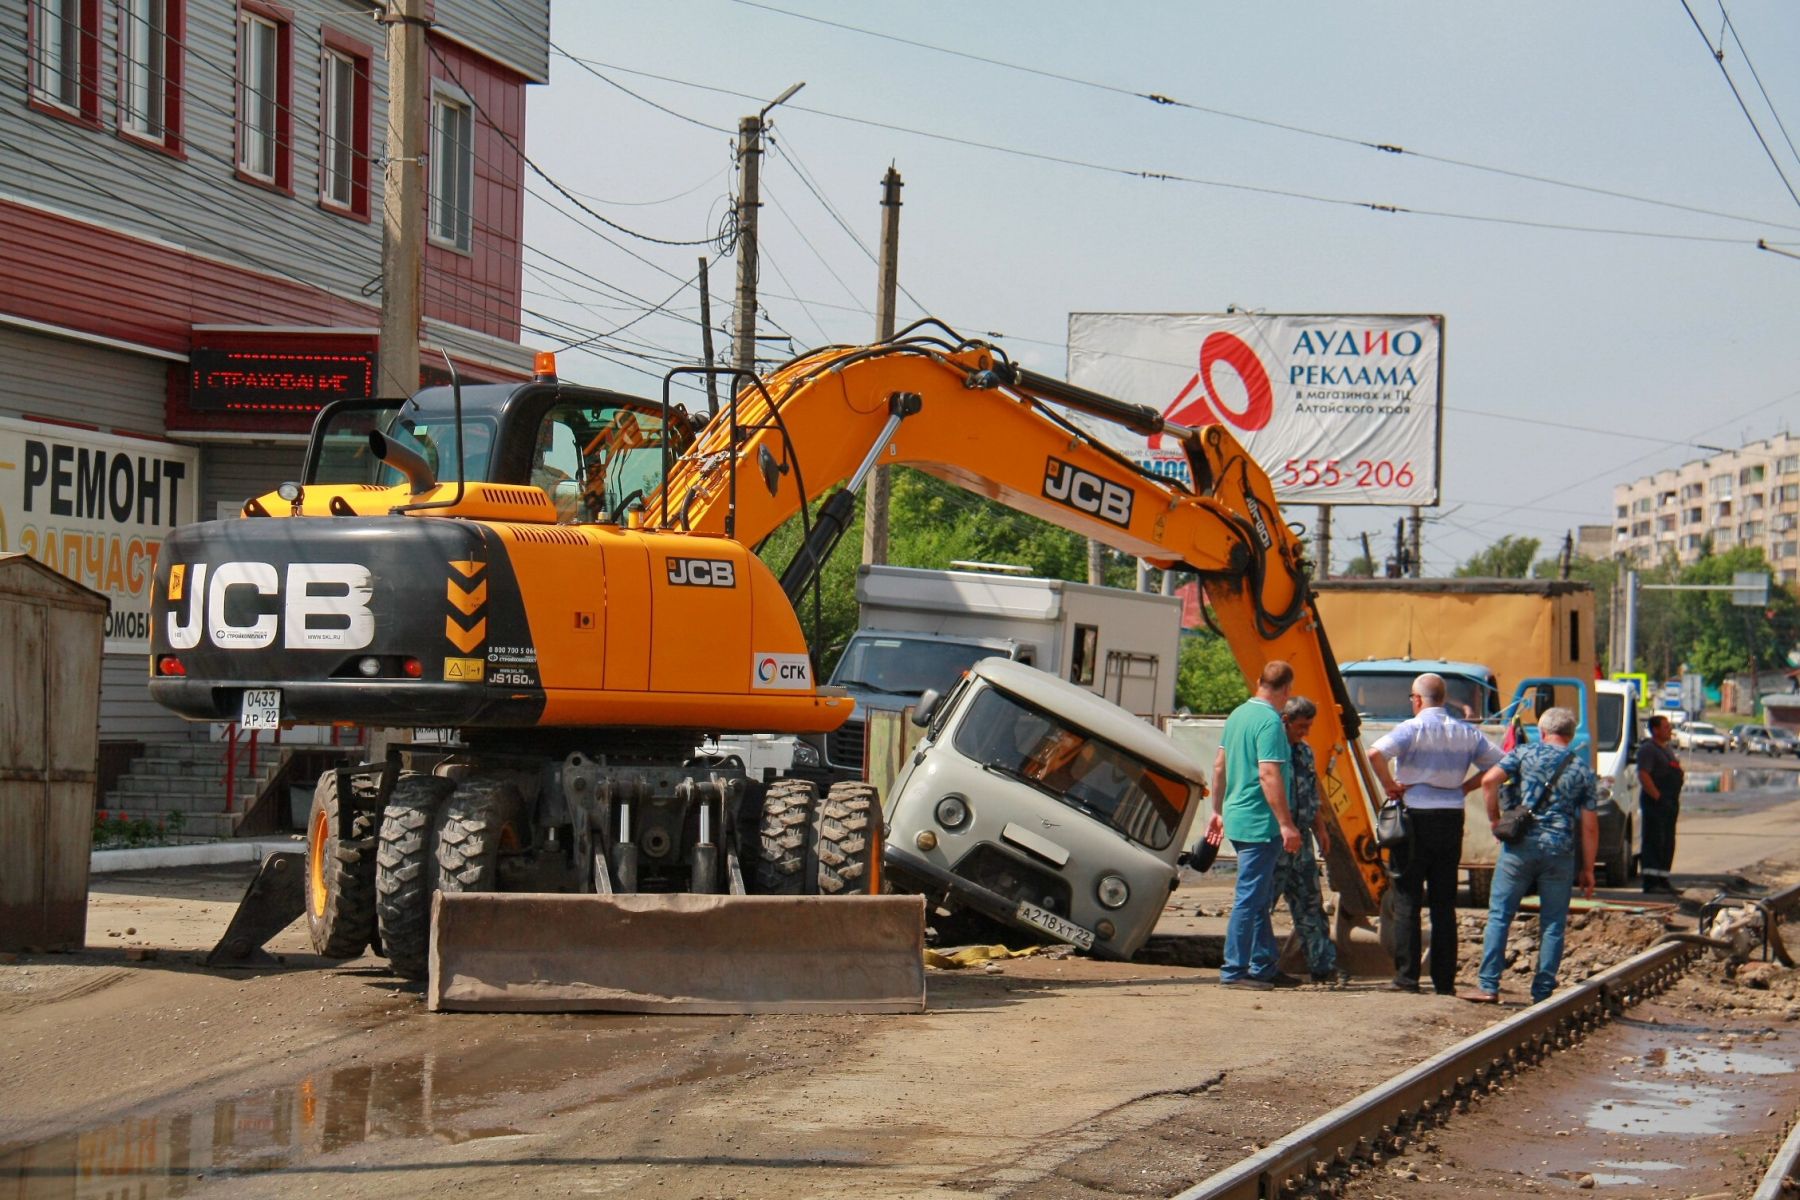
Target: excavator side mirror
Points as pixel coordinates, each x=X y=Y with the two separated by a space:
x=926 y=708
x=772 y=471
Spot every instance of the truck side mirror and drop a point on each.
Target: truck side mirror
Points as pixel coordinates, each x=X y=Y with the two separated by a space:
x=926 y=708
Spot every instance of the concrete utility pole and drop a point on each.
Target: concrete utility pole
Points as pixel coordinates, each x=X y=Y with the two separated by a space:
x=1413 y=538
x=403 y=199
x=875 y=498
x=706 y=346
x=743 y=325
x=1322 y=544
x=1096 y=562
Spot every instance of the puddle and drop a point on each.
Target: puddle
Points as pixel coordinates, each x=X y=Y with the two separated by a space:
x=1722 y=1062
x=1664 y=1108
x=1740 y=779
x=450 y=1096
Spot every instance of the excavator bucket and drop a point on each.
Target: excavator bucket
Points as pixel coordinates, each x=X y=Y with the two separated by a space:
x=539 y=952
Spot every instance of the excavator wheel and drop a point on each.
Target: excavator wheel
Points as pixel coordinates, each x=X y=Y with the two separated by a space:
x=340 y=876
x=787 y=827
x=405 y=866
x=847 y=842
x=480 y=820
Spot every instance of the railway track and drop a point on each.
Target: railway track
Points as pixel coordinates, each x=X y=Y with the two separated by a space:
x=1320 y=1158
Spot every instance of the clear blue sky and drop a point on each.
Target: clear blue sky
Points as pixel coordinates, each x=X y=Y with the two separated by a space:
x=1647 y=344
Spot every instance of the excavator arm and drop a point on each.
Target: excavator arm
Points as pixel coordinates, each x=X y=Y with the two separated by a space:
x=961 y=412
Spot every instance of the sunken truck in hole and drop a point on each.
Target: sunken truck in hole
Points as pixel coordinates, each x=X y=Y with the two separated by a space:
x=1036 y=805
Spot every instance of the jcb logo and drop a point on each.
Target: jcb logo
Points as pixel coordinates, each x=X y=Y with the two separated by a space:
x=323 y=606
x=702 y=572
x=1087 y=492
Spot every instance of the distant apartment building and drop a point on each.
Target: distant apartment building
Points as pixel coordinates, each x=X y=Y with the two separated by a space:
x=191 y=196
x=1744 y=497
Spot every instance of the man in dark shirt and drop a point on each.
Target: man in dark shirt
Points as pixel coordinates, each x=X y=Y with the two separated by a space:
x=1660 y=774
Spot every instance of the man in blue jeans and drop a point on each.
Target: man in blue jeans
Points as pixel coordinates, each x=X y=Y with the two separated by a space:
x=1547 y=857
x=1250 y=806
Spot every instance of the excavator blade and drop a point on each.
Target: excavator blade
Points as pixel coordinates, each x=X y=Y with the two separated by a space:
x=532 y=952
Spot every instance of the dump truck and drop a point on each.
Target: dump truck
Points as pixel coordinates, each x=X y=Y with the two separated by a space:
x=566 y=576
x=919 y=630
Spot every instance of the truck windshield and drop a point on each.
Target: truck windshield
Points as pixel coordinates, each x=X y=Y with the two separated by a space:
x=1139 y=800
x=905 y=666
x=344 y=455
x=1382 y=695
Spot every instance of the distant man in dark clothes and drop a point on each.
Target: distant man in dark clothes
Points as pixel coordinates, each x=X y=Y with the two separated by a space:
x=1431 y=755
x=1660 y=773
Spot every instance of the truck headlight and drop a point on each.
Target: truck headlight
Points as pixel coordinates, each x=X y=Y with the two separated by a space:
x=953 y=812
x=805 y=754
x=1113 y=891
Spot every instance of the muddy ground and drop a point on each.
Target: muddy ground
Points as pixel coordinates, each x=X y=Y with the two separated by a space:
x=1044 y=1077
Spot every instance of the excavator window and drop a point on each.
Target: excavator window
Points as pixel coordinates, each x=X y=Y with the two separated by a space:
x=344 y=457
x=596 y=461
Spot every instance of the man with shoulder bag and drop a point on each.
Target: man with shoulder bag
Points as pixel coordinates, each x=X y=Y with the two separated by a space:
x=1548 y=835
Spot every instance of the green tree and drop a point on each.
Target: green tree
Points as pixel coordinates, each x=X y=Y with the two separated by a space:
x=1208 y=679
x=1509 y=558
x=1360 y=567
x=1723 y=638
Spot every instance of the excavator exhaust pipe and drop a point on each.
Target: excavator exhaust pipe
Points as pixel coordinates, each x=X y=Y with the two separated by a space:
x=680 y=953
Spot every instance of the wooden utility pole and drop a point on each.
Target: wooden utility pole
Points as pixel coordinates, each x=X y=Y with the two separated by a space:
x=875 y=499
x=706 y=346
x=1322 y=544
x=1413 y=540
x=1096 y=562
x=403 y=198
x=749 y=150
x=743 y=317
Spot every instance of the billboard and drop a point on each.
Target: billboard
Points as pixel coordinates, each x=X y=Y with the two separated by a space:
x=1337 y=409
x=95 y=507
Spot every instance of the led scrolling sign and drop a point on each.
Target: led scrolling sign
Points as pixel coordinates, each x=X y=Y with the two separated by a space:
x=243 y=381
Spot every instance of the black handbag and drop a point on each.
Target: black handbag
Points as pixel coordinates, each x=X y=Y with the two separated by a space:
x=1517 y=821
x=1393 y=827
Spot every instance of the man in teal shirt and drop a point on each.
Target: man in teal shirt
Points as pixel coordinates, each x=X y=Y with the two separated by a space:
x=1250 y=806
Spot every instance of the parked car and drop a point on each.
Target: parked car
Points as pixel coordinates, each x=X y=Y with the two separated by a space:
x=1735 y=739
x=1698 y=735
x=1757 y=739
x=1784 y=742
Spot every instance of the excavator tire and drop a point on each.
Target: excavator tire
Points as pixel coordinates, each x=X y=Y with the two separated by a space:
x=847 y=842
x=782 y=841
x=482 y=818
x=340 y=876
x=405 y=866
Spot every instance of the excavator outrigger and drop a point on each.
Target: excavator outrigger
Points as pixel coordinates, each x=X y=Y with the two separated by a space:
x=565 y=576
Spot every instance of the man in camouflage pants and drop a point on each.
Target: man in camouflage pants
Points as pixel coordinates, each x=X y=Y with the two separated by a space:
x=1297 y=874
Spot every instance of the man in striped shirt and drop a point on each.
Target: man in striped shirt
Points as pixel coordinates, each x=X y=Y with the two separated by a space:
x=1428 y=760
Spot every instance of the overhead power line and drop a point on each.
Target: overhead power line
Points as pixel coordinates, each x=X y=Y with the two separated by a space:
x=1718 y=54
x=1166 y=101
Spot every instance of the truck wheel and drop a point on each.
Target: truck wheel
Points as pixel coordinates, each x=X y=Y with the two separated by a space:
x=1616 y=871
x=340 y=876
x=781 y=842
x=847 y=842
x=1481 y=885
x=482 y=819
x=404 y=865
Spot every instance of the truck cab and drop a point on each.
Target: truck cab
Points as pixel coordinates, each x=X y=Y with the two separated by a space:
x=891 y=670
x=1379 y=687
x=1036 y=804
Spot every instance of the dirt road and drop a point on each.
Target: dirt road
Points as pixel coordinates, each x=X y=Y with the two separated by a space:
x=1048 y=1077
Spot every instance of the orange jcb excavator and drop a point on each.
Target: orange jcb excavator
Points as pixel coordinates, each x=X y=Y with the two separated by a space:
x=565 y=576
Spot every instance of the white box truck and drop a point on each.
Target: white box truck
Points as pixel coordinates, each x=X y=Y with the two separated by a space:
x=921 y=629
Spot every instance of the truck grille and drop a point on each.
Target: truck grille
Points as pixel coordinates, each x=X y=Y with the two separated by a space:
x=1013 y=878
x=844 y=748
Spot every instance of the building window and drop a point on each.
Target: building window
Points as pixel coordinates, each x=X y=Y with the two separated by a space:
x=1719 y=485
x=265 y=94
x=1751 y=475
x=150 y=69
x=452 y=170
x=1790 y=465
x=65 y=56
x=344 y=127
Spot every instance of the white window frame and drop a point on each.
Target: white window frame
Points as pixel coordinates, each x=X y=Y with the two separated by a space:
x=58 y=67
x=144 y=68
x=337 y=128
x=452 y=219
x=257 y=142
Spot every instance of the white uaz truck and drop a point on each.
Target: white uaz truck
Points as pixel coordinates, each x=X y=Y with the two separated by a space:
x=921 y=629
